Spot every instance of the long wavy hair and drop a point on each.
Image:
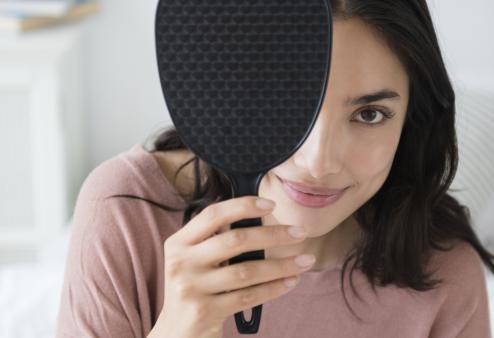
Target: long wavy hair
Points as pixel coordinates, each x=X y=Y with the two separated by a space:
x=412 y=212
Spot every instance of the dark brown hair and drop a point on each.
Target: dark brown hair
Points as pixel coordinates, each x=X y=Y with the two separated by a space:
x=412 y=212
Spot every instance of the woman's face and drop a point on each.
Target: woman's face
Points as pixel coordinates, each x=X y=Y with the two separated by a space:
x=352 y=144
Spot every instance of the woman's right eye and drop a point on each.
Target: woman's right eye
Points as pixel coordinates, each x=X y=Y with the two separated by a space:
x=385 y=115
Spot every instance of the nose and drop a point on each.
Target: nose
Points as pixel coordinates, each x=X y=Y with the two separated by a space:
x=322 y=152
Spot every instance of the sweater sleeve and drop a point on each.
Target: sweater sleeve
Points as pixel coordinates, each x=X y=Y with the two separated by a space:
x=464 y=311
x=98 y=291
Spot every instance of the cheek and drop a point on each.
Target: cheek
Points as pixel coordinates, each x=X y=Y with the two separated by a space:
x=371 y=159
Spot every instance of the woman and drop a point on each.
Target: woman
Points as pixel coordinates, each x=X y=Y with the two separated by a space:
x=148 y=251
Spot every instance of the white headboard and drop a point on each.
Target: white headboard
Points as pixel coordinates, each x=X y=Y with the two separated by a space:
x=475 y=176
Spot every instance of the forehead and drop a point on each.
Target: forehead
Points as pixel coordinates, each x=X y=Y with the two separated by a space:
x=362 y=61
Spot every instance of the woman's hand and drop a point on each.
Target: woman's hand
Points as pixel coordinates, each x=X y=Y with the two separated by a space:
x=201 y=291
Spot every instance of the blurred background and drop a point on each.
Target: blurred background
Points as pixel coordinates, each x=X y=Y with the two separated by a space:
x=79 y=84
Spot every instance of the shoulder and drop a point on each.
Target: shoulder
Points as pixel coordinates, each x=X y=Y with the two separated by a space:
x=116 y=225
x=132 y=172
x=461 y=270
x=106 y=179
x=461 y=308
x=460 y=265
x=462 y=274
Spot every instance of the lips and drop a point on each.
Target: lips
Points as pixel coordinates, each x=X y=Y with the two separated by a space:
x=308 y=199
x=311 y=190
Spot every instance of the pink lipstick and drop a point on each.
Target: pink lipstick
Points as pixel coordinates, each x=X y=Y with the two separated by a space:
x=309 y=196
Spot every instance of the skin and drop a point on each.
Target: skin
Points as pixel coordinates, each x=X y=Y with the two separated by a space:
x=346 y=148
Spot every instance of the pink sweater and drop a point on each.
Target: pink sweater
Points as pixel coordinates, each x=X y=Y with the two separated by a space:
x=113 y=284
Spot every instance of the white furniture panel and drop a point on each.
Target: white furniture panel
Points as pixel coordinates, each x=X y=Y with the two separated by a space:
x=41 y=128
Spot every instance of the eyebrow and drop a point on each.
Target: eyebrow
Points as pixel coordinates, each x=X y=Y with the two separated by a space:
x=371 y=97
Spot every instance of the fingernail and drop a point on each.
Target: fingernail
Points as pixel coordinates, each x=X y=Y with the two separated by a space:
x=265 y=204
x=305 y=260
x=296 y=232
x=291 y=282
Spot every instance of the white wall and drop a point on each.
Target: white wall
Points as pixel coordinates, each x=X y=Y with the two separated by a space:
x=124 y=99
x=466 y=36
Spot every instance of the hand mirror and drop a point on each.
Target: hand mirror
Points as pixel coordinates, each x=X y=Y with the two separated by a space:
x=243 y=81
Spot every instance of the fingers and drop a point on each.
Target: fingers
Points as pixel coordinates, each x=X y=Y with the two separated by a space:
x=224 y=246
x=216 y=216
x=247 y=298
x=249 y=273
